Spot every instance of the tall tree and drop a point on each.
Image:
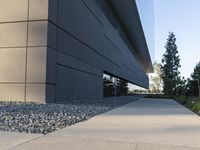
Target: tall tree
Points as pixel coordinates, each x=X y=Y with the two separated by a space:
x=196 y=74
x=192 y=85
x=181 y=88
x=170 y=66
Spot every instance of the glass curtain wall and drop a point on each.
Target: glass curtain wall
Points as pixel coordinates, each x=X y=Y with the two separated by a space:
x=114 y=86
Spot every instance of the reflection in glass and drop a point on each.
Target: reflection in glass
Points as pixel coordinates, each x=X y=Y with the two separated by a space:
x=135 y=89
x=114 y=86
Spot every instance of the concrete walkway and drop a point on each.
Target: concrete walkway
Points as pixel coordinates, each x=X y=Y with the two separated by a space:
x=147 y=124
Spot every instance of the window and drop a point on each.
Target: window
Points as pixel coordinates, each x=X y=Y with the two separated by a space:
x=114 y=86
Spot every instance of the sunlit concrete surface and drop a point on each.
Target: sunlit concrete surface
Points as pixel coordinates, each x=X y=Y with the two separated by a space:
x=11 y=139
x=147 y=124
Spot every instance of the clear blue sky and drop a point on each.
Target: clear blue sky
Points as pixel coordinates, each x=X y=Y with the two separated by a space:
x=183 y=18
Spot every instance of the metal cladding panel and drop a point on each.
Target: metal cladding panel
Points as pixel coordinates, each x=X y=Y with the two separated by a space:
x=61 y=48
x=129 y=15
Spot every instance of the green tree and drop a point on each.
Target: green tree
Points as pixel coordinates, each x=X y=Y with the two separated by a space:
x=191 y=87
x=196 y=74
x=181 y=88
x=170 y=66
x=192 y=84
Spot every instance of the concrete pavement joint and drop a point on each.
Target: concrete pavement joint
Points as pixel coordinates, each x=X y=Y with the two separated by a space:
x=136 y=146
x=165 y=145
x=157 y=146
x=93 y=138
x=25 y=142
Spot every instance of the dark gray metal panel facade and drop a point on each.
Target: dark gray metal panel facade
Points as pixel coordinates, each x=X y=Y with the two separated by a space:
x=127 y=10
x=83 y=44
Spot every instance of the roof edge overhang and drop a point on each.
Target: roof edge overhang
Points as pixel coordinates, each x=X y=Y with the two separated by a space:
x=129 y=16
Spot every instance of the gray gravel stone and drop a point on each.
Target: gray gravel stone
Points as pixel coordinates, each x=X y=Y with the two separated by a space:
x=46 y=118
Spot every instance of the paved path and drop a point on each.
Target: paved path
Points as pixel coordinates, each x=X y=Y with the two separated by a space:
x=147 y=124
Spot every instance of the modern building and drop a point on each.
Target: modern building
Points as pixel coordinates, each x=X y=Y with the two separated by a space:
x=58 y=50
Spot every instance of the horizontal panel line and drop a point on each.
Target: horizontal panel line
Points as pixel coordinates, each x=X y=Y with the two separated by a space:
x=23 y=46
x=93 y=14
x=78 y=69
x=112 y=43
x=85 y=45
x=23 y=21
x=66 y=33
x=82 y=61
x=27 y=83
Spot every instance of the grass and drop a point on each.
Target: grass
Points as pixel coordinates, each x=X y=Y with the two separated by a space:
x=192 y=103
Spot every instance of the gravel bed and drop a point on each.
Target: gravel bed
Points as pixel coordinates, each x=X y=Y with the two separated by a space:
x=46 y=118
